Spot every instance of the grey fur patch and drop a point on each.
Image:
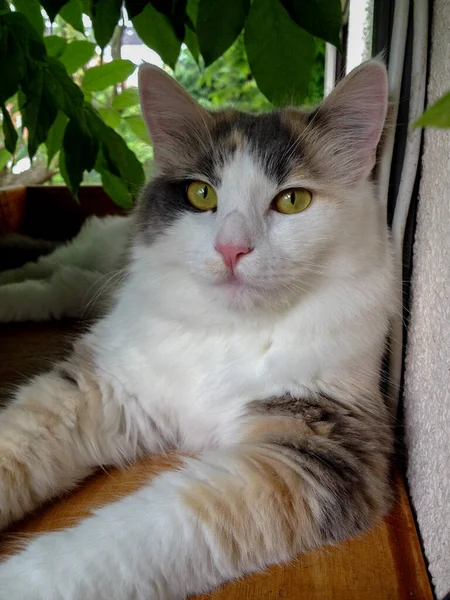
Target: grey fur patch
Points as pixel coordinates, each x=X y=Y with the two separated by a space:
x=162 y=202
x=273 y=139
x=268 y=137
x=66 y=375
x=344 y=460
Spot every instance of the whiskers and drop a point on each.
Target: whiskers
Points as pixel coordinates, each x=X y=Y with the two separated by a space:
x=102 y=288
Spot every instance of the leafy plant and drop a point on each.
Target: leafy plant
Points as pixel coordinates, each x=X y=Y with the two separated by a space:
x=48 y=96
x=230 y=82
x=436 y=115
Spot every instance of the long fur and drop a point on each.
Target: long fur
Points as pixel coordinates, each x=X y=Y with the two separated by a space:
x=268 y=376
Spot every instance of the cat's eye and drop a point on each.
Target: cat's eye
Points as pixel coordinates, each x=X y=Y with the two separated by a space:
x=201 y=195
x=291 y=202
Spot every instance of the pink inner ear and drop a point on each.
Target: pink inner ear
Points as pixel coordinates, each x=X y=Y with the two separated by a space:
x=169 y=112
x=369 y=90
x=356 y=113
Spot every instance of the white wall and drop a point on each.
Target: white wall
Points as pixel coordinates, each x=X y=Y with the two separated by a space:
x=427 y=378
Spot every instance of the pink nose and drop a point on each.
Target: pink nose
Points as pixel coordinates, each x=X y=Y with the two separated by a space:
x=231 y=253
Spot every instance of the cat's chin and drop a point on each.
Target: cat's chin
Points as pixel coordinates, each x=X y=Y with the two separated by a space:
x=238 y=294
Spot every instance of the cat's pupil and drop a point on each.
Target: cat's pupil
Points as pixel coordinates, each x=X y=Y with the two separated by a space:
x=205 y=192
x=292 y=198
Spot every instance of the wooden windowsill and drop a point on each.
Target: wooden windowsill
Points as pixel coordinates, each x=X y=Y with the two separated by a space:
x=384 y=564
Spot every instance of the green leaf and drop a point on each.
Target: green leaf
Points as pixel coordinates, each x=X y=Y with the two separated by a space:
x=128 y=98
x=110 y=116
x=80 y=148
x=32 y=10
x=76 y=54
x=5 y=155
x=134 y=7
x=86 y=4
x=281 y=54
x=156 y=31
x=138 y=127
x=39 y=111
x=191 y=41
x=55 y=136
x=190 y=38
x=55 y=45
x=218 y=25
x=21 y=99
x=72 y=13
x=436 y=115
x=116 y=189
x=105 y=16
x=65 y=94
x=19 y=43
x=112 y=184
x=12 y=58
x=121 y=161
x=321 y=18
x=99 y=78
x=47 y=90
x=52 y=7
x=9 y=132
x=63 y=168
x=175 y=11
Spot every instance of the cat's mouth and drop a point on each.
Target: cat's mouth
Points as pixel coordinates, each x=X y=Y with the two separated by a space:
x=234 y=282
x=232 y=278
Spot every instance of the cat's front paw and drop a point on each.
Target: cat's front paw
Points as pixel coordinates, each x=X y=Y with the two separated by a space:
x=35 y=573
x=49 y=568
x=18 y=582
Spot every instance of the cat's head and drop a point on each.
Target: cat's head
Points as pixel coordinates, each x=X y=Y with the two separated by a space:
x=259 y=209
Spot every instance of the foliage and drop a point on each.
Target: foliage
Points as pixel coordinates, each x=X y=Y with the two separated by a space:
x=57 y=91
x=436 y=115
x=229 y=81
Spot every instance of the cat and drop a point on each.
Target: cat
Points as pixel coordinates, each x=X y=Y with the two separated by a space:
x=75 y=280
x=247 y=334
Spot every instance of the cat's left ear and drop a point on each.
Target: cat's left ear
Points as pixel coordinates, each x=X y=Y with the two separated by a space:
x=176 y=123
x=350 y=122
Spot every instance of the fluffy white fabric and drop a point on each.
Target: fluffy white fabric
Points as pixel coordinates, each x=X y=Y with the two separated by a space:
x=73 y=280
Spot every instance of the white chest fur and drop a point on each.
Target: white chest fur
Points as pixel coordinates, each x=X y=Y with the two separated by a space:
x=194 y=380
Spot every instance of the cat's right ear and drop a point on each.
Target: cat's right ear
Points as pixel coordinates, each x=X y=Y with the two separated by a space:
x=176 y=123
x=347 y=126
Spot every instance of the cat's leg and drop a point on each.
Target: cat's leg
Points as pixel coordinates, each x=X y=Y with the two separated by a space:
x=309 y=473
x=69 y=292
x=57 y=430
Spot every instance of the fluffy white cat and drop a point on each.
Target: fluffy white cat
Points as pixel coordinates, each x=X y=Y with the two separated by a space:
x=248 y=331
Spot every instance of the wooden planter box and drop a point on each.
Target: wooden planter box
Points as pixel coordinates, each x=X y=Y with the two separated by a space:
x=51 y=212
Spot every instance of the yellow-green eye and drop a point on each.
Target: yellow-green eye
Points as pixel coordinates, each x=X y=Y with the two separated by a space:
x=291 y=202
x=201 y=195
